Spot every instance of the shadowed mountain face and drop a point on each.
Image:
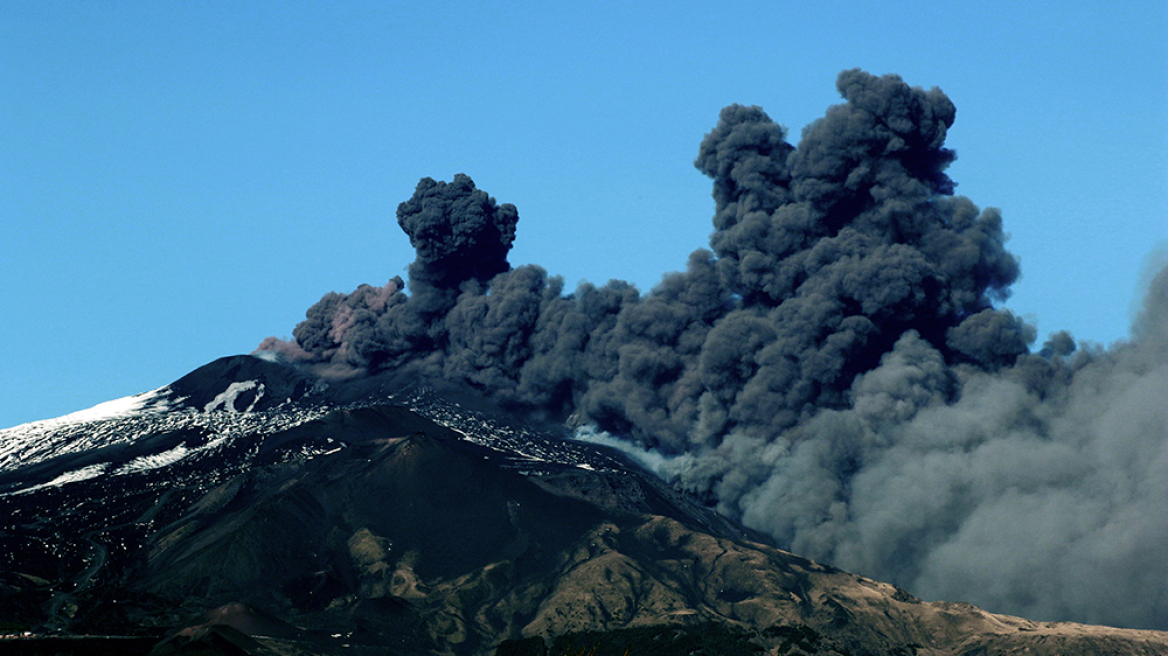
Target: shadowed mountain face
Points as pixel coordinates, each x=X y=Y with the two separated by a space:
x=247 y=508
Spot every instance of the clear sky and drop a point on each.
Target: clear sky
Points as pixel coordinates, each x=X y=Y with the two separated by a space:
x=180 y=180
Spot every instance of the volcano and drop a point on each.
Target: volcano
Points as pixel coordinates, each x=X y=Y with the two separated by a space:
x=252 y=508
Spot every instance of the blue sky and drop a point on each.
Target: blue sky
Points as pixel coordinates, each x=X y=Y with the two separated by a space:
x=180 y=180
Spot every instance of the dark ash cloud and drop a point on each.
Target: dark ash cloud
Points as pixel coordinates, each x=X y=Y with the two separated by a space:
x=833 y=370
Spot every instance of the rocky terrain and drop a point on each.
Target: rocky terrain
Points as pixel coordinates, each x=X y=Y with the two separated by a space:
x=247 y=508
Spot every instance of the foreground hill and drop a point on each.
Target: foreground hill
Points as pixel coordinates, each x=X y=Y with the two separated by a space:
x=247 y=508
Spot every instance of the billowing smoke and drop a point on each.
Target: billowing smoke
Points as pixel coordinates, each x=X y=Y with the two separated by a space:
x=832 y=372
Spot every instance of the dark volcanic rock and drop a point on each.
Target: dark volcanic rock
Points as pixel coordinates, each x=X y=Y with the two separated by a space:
x=248 y=508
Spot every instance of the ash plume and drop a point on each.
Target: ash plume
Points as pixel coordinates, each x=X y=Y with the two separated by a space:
x=832 y=371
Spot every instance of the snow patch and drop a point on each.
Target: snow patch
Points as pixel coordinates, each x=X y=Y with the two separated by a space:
x=226 y=398
x=123 y=407
x=78 y=431
x=77 y=475
x=155 y=460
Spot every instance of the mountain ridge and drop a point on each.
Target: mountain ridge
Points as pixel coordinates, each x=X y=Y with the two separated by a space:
x=380 y=513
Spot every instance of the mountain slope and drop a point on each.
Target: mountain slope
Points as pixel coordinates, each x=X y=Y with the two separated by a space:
x=353 y=516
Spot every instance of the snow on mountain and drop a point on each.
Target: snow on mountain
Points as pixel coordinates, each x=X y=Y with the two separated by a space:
x=78 y=431
x=245 y=397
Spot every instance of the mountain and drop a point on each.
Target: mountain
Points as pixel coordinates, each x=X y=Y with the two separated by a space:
x=249 y=508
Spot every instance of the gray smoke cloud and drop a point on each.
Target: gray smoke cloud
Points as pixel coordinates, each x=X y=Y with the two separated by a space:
x=832 y=371
x=1038 y=489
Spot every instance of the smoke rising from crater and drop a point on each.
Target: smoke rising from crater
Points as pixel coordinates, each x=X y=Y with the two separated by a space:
x=832 y=371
